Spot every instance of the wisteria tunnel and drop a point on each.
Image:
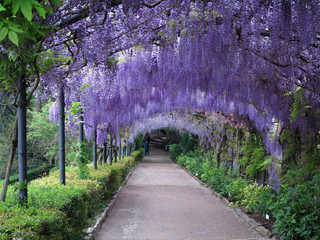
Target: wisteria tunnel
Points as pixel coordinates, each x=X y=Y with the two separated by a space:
x=232 y=85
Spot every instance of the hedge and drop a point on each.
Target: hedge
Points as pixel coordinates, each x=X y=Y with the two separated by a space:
x=71 y=205
x=31 y=223
x=31 y=174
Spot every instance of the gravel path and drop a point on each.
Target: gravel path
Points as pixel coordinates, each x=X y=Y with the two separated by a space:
x=162 y=201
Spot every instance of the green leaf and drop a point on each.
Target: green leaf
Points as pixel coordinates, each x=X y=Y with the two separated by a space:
x=41 y=11
x=15 y=29
x=57 y=2
x=75 y=108
x=84 y=87
x=15 y=6
x=3 y=33
x=26 y=9
x=13 y=55
x=2 y=8
x=293 y=221
x=14 y=38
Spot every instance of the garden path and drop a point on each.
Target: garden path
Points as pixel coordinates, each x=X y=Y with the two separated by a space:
x=162 y=201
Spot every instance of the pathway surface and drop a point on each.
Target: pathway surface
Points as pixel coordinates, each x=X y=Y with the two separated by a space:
x=163 y=202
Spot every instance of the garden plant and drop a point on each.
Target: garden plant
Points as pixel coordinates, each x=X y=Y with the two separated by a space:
x=82 y=81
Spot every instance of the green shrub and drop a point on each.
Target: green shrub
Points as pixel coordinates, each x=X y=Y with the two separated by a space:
x=267 y=200
x=297 y=211
x=181 y=159
x=31 y=223
x=252 y=195
x=138 y=154
x=188 y=145
x=138 y=141
x=116 y=177
x=73 y=199
x=219 y=181
x=194 y=165
x=235 y=189
x=175 y=151
x=57 y=211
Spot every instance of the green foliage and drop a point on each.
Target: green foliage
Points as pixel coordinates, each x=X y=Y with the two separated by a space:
x=79 y=156
x=299 y=105
x=57 y=211
x=7 y=118
x=84 y=87
x=31 y=174
x=15 y=12
x=138 y=141
x=42 y=138
x=254 y=157
x=31 y=223
x=22 y=33
x=83 y=171
x=252 y=196
x=266 y=202
x=301 y=158
x=297 y=211
x=186 y=145
x=194 y=165
x=218 y=180
x=189 y=143
x=116 y=177
x=207 y=171
x=51 y=59
x=235 y=189
x=175 y=151
x=139 y=154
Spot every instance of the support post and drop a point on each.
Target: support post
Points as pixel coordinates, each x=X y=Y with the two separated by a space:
x=104 y=152
x=115 y=149
x=120 y=150
x=81 y=126
x=94 y=147
x=62 y=163
x=127 y=146
x=110 y=150
x=22 y=139
x=110 y=155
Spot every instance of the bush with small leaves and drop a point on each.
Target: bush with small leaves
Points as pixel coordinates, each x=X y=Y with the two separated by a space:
x=297 y=211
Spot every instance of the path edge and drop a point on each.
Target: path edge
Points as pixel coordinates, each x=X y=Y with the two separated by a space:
x=260 y=229
x=92 y=231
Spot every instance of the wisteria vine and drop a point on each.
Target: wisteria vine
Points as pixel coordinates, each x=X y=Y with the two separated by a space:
x=254 y=60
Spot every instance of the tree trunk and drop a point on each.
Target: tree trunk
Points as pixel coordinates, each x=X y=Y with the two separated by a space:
x=14 y=144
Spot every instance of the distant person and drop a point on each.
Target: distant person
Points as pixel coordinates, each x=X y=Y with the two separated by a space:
x=146 y=147
x=148 y=139
x=168 y=146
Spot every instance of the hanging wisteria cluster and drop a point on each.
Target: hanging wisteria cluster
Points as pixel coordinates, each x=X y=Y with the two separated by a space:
x=254 y=60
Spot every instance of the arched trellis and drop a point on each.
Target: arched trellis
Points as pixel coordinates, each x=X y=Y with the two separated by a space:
x=221 y=31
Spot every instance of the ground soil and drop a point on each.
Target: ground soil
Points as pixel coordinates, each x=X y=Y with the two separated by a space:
x=268 y=224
